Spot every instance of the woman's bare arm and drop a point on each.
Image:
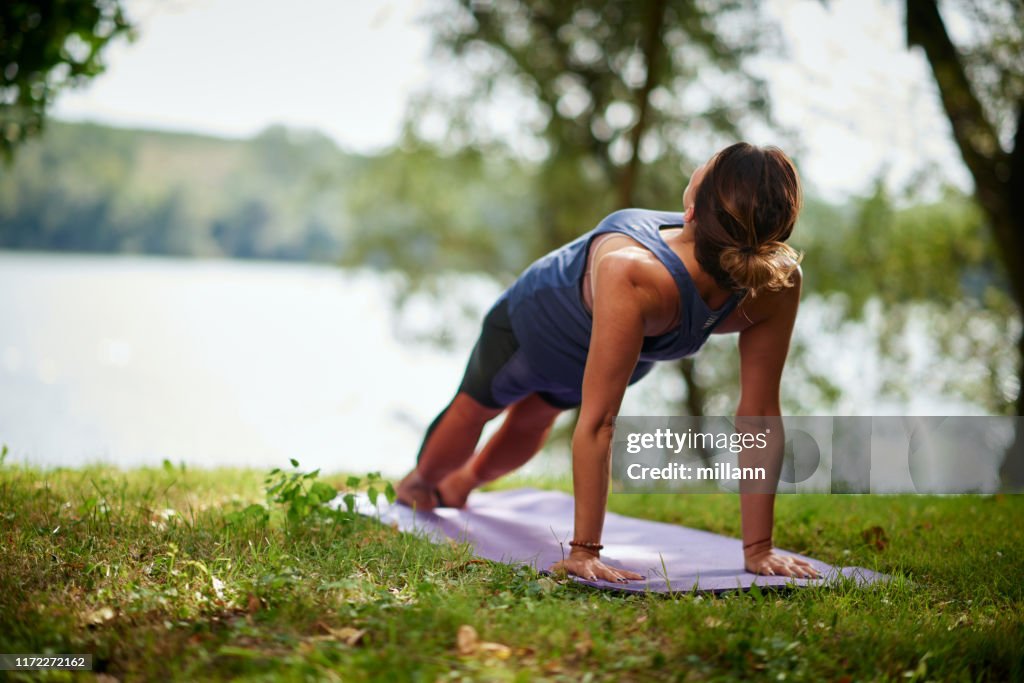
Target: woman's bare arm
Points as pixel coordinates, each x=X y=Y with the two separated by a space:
x=620 y=303
x=763 y=347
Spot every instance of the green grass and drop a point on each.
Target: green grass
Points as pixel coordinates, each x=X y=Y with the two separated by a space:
x=95 y=561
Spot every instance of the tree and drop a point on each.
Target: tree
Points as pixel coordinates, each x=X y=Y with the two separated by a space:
x=622 y=96
x=981 y=87
x=616 y=91
x=45 y=47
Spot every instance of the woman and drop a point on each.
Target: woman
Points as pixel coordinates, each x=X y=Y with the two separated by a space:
x=590 y=318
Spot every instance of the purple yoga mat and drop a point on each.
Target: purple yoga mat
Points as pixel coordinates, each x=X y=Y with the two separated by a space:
x=525 y=526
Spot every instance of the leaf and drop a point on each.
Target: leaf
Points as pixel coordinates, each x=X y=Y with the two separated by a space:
x=256 y=513
x=350 y=502
x=294 y=462
x=239 y=652
x=547 y=584
x=168 y=467
x=389 y=493
x=875 y=536
x=372 y=494
x=352 y=482
x=323 y=491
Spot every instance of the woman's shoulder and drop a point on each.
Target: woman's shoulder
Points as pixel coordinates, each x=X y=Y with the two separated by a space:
x=767 y=305
x=637 y=218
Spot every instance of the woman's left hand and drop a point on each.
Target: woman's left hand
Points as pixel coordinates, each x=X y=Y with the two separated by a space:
x=769 y=563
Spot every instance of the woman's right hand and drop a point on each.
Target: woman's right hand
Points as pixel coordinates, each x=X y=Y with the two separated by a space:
x=588 y=566
x=769 y=563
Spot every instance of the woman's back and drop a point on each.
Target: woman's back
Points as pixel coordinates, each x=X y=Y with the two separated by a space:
x=549 y=312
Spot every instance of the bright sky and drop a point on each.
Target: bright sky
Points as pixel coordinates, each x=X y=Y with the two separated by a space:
x=861 y=102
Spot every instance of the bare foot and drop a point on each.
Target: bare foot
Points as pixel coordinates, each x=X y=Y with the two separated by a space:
x=416 y=493
x=456 y=487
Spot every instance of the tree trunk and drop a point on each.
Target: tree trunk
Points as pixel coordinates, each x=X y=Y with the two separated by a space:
x=653 y=49
x=696 y=398
x=998 y=176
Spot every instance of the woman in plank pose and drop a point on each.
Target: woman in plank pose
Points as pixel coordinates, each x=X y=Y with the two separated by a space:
x=592 y=317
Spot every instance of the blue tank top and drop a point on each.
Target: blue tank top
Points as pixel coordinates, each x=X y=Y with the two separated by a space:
x=552 y=325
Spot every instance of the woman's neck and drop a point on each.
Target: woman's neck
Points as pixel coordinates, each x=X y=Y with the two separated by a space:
x=682 y=241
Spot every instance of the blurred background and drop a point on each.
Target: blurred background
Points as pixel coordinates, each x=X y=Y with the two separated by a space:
x=236 y=232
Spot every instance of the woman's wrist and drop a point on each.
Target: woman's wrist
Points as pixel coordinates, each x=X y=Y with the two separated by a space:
x=585 y=548
x=755 y=548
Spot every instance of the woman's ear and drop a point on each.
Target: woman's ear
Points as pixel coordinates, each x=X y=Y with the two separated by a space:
x=688 y=214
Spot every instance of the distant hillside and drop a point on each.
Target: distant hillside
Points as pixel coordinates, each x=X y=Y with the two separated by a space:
x=86 y=187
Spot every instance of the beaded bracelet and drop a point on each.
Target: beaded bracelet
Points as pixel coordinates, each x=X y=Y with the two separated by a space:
x=589 y=545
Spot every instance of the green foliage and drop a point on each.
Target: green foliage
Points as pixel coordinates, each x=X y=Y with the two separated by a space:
x=46 y=47
x=923 y=276
x=423 y=212
x=618 y=95
x=939 y=251
x=84 y=187
x=298 y=493
x=303 y=498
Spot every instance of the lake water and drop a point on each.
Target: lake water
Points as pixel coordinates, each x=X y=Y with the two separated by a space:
x=131 y=360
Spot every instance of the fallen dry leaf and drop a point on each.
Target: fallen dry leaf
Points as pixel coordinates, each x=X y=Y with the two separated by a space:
x=101 y=615
x=349 y=635
x=584 y=645
x=466 y=640
x=495 y=650
x=875 y=536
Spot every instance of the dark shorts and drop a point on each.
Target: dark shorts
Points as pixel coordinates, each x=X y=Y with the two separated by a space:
x=498 y=373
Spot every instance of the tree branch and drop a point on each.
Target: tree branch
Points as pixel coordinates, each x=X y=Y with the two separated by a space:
x=988 y=163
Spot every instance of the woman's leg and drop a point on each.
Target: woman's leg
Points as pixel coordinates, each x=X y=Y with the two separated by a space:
x=448 y=444
x=519 y=438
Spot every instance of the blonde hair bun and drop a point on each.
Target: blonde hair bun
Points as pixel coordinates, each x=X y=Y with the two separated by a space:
x=767 y=266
